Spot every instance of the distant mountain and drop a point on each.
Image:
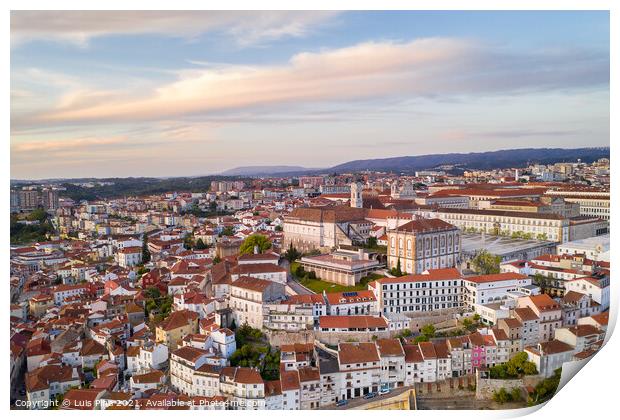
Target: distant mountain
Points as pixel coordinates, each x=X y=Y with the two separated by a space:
x=265 y=170
x=484 y=160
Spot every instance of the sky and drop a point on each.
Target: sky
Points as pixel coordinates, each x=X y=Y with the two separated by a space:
x=139 y=93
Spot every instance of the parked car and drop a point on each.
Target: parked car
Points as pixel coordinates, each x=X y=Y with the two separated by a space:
x=370 y=395
x=342 y=403
x=385 y=388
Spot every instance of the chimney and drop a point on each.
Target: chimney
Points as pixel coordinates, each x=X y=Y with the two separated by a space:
x=360 y=253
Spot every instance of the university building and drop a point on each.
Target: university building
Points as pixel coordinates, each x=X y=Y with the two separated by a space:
x=424 y=244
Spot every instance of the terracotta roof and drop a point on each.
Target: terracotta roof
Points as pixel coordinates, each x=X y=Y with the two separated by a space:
x=584 y=330
x=339 y=298
x=602 y=318
x=426 y=225
x=390 y=347
x=351 y=322
x=352 y=353
x=432 y=275
x=154 y=376
x=554 y=347
x=413 y=354
x=289 y=380
x=526 y=314
x=178 y=319
x=544 y=302
x=252 y=283
x=488 y=278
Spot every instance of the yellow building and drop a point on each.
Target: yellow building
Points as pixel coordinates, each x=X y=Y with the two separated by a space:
x=175 y=327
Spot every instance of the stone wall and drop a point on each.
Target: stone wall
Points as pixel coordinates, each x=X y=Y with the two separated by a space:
x=486 y=387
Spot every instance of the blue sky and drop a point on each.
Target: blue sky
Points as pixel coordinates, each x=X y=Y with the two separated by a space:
x=173 y=93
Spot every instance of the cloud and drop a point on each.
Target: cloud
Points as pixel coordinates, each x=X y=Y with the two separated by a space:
x=433 y=68
x=245 y=27
x=59 y=146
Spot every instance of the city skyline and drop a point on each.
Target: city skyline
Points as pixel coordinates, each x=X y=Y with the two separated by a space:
x=185 y=94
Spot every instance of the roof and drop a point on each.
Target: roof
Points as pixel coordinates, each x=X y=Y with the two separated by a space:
x=390 y=347
x=544 y=302
x=602 y=318
x=251 y=268
x=289 y=380
x=551 y=347
x=338 y=298
x=352 y=353
x=327 y=215
x=526 y=314
x=154 y=376
x=425 y=225
x=351 y=322
x=178 y=319
x=252 y=283
x=584 y=330
x=488 y=278
x=429 y=275
x=413 y=354
x=189 y=353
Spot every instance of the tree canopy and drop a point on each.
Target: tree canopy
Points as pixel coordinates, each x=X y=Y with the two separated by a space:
x=247 y=246
x=486 y=263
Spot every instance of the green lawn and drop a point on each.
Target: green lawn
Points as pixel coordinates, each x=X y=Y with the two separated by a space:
x=318 y=285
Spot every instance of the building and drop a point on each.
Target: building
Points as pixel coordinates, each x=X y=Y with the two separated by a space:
x=595 y=248
x=550 y=227
x=359 y=365
x=175 y=327
x=318 y=228
x=549 y=314
x=129 y=256
x=593 y=203
x=549 y=356
x=493 y=288
x=341 y=267
x=433 y=290
x=422 y=245
x=247 y=296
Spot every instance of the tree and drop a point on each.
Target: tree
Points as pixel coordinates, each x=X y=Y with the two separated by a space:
x=428 y=330
x=200 y=244
x=278 y=228
x=146 y=254
x=486 y=263
x=541 y=281
x=228 y=231
x=292 y=254
x=397 y=271
x=217 y=259
x=502 y=396
x=261 y=241
x=372 y=242
x=188 y=241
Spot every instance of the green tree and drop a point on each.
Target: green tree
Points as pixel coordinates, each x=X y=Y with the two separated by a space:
x=292 y=254
x=486 y=263
x=200 y=244
x=501 y=396
x=397 y=271
x=146 y=254
x=428 y=330
x=188 y=241
x=228 y=231
x=247 y=246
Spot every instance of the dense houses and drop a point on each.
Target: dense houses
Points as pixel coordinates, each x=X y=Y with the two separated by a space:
x=138 y=301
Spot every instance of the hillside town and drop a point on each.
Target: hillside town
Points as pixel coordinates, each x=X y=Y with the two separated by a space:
x=327 y=291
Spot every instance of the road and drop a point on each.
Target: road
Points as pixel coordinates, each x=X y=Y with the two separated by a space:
x=292 y=283
x=462 y=403
x=359 y=401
